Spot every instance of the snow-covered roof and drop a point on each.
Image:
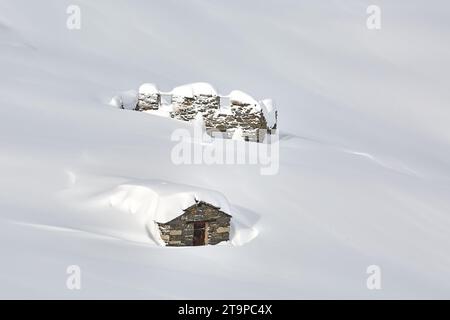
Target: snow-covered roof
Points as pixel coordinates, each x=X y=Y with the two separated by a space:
x=242 y=97
x=148 y=88
x=194 y=89
x=162 y=201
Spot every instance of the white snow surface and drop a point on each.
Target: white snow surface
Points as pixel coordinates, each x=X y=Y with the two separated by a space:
x=126 y=100
x=194 y=89
x=163 y=201
x=364 y=175
x=153 y=201
x=148 y=88
x=239 y=96
x=270 y=112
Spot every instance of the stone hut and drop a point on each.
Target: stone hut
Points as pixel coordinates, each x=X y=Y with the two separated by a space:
x=200 y=224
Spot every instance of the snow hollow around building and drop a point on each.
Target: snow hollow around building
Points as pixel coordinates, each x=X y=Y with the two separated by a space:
x=173 y=214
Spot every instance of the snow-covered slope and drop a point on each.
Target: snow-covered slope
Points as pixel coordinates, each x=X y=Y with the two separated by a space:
x=364 y=175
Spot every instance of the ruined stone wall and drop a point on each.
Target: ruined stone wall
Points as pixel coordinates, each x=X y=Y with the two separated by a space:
x=148 y=102
x=251 y=121
x=244 y=116
x=187 y=108
x=180 y=231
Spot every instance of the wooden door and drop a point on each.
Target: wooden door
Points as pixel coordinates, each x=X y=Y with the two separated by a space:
x=199 y=233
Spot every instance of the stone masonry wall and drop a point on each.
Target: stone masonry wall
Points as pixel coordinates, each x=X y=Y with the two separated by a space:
x=187 y=108
x=252 y=122
x=148 y=102
x=244 y=116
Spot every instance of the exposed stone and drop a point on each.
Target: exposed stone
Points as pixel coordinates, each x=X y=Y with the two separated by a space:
x=165 y=237
x=184 y=230
x=251 y=122
x=148 y=102
x=243 y=113
x=186 y=108
x=223 y=229
x=149 y=97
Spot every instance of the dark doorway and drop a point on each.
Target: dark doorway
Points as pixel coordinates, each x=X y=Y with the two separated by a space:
x=199 y=233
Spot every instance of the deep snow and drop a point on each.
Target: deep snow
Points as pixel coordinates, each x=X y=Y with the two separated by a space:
x=364 y=155
x=128 y=99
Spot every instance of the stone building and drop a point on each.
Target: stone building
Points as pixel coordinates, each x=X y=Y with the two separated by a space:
x=243 y=112
x=200 y=224
x=240 y=115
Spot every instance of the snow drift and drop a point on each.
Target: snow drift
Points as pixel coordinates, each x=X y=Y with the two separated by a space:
x=364 y=172
x=161 y=201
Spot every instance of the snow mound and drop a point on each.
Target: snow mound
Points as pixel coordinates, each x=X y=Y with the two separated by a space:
x=148 y=89
x=162 y=201
x=125 y=100
x=270 y=112
x=154 y=201
x=240 y=97
x=194 y=89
